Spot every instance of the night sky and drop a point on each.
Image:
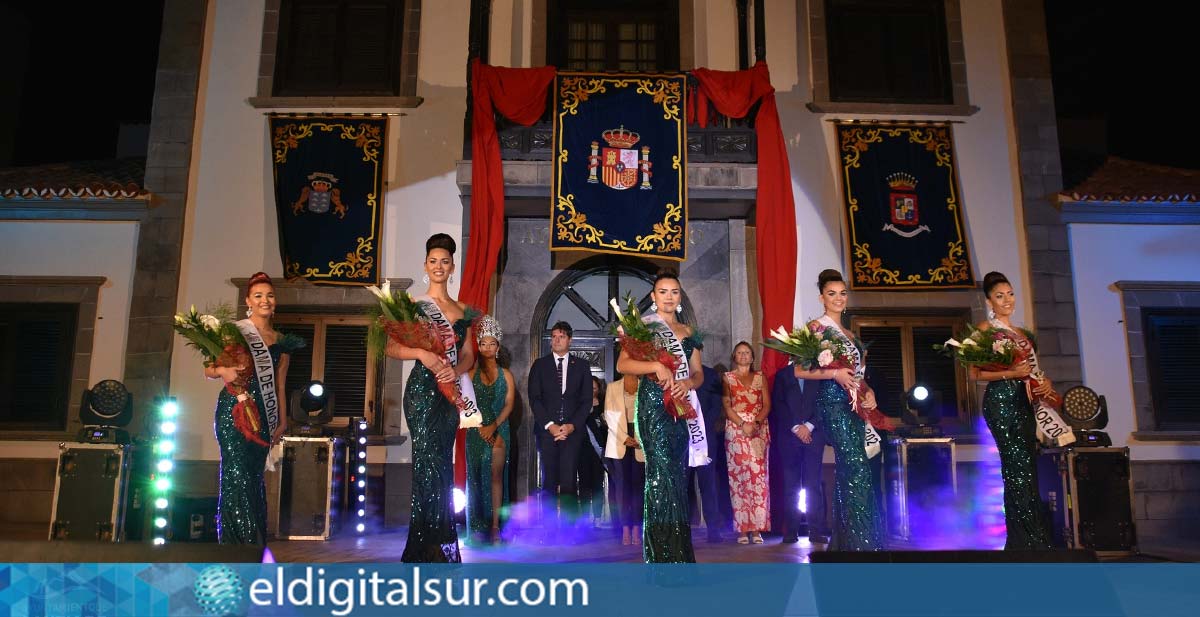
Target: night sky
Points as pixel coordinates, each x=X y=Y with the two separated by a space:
x=1120 y=71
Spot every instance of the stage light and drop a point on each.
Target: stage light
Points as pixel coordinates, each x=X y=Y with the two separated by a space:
x=168 y=410
x=362 y=426
x=460 y=500
x=362 y=454
x=1087 y=413
x=362 y=440
x=311 y=406
x=362 y=498
x=159 y=541
x=362 y=469
x=361 y=513
x=107 y=404
x=922 y=412
x=362 y=484
x=358 y=431
x=360 y=528
x=802 y=505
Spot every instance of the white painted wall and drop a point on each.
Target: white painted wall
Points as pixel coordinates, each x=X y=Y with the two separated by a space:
x=1102 y=255
x=50 y=248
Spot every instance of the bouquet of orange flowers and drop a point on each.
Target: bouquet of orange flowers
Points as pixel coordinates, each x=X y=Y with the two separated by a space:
x=398 y=317
x=641 y=341
x=218 y=339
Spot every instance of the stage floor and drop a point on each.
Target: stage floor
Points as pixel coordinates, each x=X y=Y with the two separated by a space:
x=601 y=547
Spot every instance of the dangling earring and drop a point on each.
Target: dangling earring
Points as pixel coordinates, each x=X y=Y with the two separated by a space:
x=653 y=307
x=425 y=279
x=991 y=314
x=678 y=308
x=451 y=279
x=249 y=311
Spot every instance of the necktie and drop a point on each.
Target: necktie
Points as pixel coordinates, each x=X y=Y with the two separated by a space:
x=559 y=372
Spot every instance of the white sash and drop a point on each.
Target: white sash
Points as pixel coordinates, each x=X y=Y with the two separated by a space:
x=1050 y=426
x=698 y=441
x=468 y=410
x=872 y=441
x=265 y=369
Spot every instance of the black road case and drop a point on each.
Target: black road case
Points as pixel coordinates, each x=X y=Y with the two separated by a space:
x=312 y=486
x=89 y=491
x=1089 y=495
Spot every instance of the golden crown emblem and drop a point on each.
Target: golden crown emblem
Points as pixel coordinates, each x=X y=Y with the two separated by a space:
x=620 y=137
x=901 y=180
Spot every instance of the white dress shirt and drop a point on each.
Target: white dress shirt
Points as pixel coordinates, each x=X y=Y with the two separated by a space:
x=562 y=387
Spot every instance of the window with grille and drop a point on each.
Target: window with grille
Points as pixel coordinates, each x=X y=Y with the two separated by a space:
x=615 y=36
x=888 y=51
x=339 y=47
x=336 y=355
x=1173 y=361
x=37 y=344
x=900 y=355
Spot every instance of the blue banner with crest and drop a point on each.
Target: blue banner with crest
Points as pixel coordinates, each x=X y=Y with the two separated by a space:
x=620 y=172
x=329 y=196
x=903 y=207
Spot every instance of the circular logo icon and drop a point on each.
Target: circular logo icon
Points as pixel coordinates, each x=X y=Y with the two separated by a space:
x=220 y=591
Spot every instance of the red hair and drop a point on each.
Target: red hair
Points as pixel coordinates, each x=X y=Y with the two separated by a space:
x=259 y=278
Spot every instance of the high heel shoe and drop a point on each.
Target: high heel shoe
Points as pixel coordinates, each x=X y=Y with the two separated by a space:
x=757 y=539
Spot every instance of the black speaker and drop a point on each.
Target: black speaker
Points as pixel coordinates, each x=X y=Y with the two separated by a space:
x=1076 y=556
x=128 y=552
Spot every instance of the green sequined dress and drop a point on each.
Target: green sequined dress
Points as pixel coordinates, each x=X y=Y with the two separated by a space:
x=666 y=532
x=242 y=497
x=857 y=525
x=479 y=456
x=432 y=422
x=1009 y=416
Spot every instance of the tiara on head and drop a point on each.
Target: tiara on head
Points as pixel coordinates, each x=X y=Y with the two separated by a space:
x=488 y=326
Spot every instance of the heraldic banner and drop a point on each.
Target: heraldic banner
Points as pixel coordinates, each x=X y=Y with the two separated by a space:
x=620 y=176
x=903 y=209
x=329 y=196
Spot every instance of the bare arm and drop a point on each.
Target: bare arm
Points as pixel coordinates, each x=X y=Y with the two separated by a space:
x=629 y=366
x=1020 y=371
x=766 y=399
x=509 y=397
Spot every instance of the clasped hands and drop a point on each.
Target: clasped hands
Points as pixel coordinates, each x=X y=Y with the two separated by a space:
x=560 y=431
x=441 y=369
x=665 y=378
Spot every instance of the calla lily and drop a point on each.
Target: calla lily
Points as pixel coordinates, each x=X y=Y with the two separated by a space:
x=953 y=343
x=379 y=293
x=616 y=307
x=780 y=334
x=970 y=341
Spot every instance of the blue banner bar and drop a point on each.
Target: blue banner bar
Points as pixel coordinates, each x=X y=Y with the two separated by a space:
x=725 y=590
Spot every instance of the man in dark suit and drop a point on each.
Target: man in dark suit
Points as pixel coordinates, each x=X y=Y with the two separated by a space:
x=560 y=393
x=802 y=449
x=706 y=475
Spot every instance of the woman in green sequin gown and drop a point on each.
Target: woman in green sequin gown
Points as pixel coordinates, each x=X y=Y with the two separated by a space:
x=666 y=531
x=487 y=446
x=242 y=502
x=857 y=524
x=433 y=420
x=1010 y=418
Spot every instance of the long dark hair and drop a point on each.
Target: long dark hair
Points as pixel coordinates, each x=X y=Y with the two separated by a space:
x=991 y=280
x=440 y=241
x=828 y=276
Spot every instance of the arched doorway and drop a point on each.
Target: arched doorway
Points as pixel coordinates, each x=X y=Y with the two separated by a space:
x=580 y=297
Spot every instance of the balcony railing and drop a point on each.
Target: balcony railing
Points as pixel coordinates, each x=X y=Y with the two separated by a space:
x=723 y=140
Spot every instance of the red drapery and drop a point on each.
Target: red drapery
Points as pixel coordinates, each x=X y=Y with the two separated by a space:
x=520 y=96
x=733 y=93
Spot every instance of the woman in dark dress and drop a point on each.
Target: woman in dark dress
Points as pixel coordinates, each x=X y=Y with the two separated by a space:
x=1010 y=418
x=242 y=502
x=432 y=419
x=666 y=531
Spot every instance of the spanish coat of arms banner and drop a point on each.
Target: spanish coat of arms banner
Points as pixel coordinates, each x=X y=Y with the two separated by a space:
x=619 y=173
x=329 y=196
x=903 y=209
